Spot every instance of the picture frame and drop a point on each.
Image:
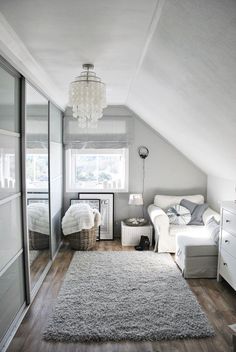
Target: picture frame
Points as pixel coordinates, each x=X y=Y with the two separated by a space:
x=36 y=200
x=95 y=204
x=37 y=197
x=107 y=212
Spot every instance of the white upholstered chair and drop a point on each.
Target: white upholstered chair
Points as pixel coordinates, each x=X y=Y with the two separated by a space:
x=165 y=233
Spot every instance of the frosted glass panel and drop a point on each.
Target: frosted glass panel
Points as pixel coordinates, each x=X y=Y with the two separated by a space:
x=56 y=160
x=55 y=124
x=9 y=165
x=9 y=102
x=56 y=121
x=56 y=195
x=10 y=231
x=56 y=231
x=12 y=294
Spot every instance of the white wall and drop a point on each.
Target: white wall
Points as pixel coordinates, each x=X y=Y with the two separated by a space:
x=167 y=170
x=218 y=190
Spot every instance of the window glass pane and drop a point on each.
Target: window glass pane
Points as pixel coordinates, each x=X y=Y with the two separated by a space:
x=9 y=166
x=37 y=169
x=97 y=169
x=9 y=101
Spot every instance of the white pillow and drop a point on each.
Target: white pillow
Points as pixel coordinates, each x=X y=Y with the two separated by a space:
x=213 y=229
x=178 y=215
x=164 y=202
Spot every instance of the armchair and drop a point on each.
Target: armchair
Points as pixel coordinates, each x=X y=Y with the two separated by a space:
x=165 y=233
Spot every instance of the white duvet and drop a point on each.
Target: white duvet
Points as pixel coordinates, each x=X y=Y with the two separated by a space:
x=38 y=218
x=79 y=217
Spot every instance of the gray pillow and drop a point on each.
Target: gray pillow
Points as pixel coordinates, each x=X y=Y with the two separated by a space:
x=213 y=229
x=196 y=210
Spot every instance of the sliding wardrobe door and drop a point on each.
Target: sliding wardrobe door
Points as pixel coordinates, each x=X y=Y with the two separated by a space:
x=56 y=176
x=37 y=185
x=12 y=281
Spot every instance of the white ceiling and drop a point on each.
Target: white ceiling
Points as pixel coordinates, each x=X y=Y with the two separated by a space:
x=62 y=35
x=173 y=64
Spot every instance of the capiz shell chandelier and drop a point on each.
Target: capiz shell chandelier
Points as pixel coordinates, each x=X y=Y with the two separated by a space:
x=87 y=97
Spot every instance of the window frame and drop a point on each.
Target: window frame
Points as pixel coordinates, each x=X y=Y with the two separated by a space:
x=69 y=184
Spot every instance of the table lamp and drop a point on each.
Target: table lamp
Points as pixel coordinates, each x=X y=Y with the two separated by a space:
x=136 y=199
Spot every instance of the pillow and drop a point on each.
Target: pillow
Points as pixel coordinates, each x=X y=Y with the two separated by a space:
x=178 y=215
x=213 y=229
x=165 y=202
x=196 y=210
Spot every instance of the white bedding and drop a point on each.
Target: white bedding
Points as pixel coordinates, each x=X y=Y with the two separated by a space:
x=38 y=218
x=79 y=217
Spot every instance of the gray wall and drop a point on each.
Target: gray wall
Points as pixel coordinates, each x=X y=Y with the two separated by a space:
x=218 y=190
x=167 y=170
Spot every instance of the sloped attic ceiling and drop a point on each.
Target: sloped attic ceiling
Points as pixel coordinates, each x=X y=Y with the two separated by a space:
x=171 y=61
x=186 y=84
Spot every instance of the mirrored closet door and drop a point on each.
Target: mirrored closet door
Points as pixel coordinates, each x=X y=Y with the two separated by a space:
x=37 y=182
x=12 y=288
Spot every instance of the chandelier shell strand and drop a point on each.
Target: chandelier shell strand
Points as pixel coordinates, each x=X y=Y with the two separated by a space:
x=87 y=97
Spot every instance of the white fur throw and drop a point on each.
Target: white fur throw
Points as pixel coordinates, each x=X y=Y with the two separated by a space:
x=38 y=218
x=79 y=217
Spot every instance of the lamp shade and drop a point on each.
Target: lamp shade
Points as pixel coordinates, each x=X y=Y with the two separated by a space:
x=136 y=199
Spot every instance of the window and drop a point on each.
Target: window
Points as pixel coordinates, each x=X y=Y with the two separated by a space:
x=37 y=170
x=97 y=169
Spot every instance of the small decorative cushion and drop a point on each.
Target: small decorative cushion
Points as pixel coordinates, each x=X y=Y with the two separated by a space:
x=178 y=215
x=196 y=210
x=213 y=229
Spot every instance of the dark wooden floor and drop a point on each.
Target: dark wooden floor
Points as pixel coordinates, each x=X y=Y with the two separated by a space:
x=218 y=300
x=38 y=265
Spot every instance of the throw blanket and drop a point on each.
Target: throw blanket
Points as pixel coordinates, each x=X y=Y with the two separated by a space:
x=38 y=218
x=79 y=217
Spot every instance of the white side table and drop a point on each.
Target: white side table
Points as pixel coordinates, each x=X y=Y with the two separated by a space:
x=130 y=235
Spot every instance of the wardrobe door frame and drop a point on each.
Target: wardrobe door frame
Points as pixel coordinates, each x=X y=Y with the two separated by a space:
x=5 y=65
x=31 y=293
x=24 y=191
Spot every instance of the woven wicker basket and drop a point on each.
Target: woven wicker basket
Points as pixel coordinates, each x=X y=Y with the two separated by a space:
x=38 y=240
x=83 y=240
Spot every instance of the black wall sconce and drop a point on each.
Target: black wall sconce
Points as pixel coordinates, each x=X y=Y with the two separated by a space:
x=143 y=153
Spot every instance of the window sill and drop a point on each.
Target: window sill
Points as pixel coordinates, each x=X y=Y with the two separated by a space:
x=108 y=190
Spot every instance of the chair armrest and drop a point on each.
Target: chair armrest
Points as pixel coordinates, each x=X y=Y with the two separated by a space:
x=156 y=212
x=160 y=222
x=208 y=214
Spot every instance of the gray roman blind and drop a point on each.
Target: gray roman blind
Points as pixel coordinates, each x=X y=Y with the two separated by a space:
x=112 y=132
x=37 y=126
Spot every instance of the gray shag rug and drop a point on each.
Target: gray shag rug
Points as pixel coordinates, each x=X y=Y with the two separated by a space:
x=115 y=296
